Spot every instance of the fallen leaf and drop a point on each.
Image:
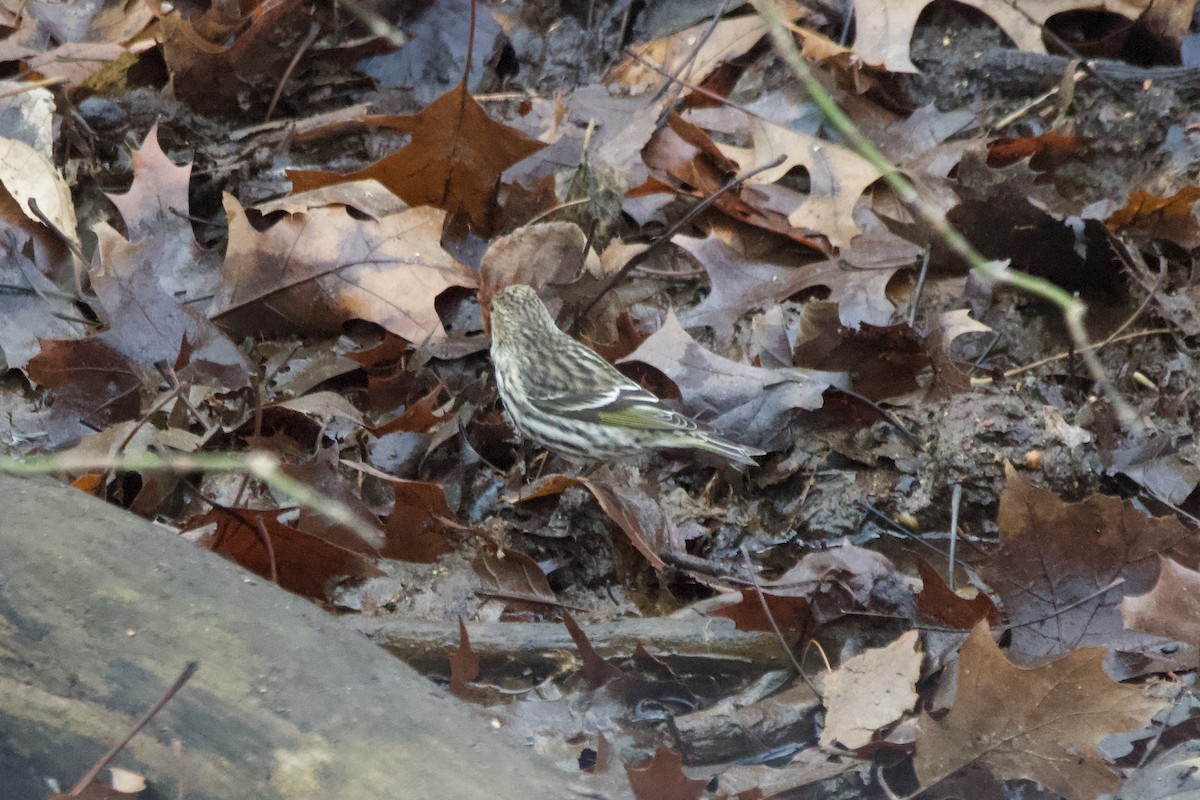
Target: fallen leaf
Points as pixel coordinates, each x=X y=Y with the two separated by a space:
x=304 y=563
x=742 y=283
x=1062 y=568
x=1171 y=608
x=513 y=577
x=756 y=405
x=312 y=271
x=840 y=579
x=1155 y=217
x=464 y=666
x=837 y=177
x=678 y=54
x=155 y=211
x=885 y=27
x=883 y=362
x=661 y=777
x=210 y=75
x=937 y=604
x=453 y=161
x=1041 y=724
x=29 y=176
x=148 y=327
x=871 y=691
x=414 y=529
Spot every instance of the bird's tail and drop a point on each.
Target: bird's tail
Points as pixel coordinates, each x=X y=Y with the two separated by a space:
x=711 y=443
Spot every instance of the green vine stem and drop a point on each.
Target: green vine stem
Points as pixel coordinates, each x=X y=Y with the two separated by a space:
x=1073 y=309
x=261 y=465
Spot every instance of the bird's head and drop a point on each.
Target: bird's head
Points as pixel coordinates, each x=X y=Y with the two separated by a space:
x=517 y=311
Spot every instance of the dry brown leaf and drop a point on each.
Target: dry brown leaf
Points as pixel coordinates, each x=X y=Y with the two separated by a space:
x=871 y=691
x=453 y=161
x=678 y=55
x=1063 y=568
x=312 y=271
x=837 y=178
x=661 y=777
x=885 y=27
x=1171 y=608
x=155 y=211
x=27 y=174
x=1040 y=724
x=210 y=75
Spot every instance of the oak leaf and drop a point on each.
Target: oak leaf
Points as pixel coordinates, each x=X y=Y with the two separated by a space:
x=453 y=161
x=314 y=270
x=885 y=27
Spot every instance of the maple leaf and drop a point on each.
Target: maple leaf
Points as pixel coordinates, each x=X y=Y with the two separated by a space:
x=453 y=162
x=1042 y=724
x=1063 y=568
x=317 y=269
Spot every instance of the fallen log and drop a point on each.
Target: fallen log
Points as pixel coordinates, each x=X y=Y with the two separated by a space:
x=99 y=612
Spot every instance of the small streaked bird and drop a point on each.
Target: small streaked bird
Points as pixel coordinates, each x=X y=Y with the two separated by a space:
x=562 y=395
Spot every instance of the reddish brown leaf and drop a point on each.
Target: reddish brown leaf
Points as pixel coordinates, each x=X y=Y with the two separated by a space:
x=414 y=530
x=210 y=76
x=683 y=157
x=1041 y=724
x=453 y=162
x=321 y=472
x=661 y=778
x=882 y=362
x=304 y=564
x=464 y=666
x=936 y=603
x=1160 y=217
x=1045 y=152
x=596 y=671
x=791 y=615
x=513 y=577
x=90 y=382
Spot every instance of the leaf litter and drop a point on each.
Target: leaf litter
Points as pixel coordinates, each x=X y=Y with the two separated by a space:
x=317 y=287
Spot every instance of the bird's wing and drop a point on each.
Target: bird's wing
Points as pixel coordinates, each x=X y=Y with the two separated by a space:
x=590 y=386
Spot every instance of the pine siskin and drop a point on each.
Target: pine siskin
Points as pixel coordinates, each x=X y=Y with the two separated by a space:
x=562 y=395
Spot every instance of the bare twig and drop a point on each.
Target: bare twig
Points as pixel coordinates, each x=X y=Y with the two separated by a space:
x=663 y=240
x=184 y=677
